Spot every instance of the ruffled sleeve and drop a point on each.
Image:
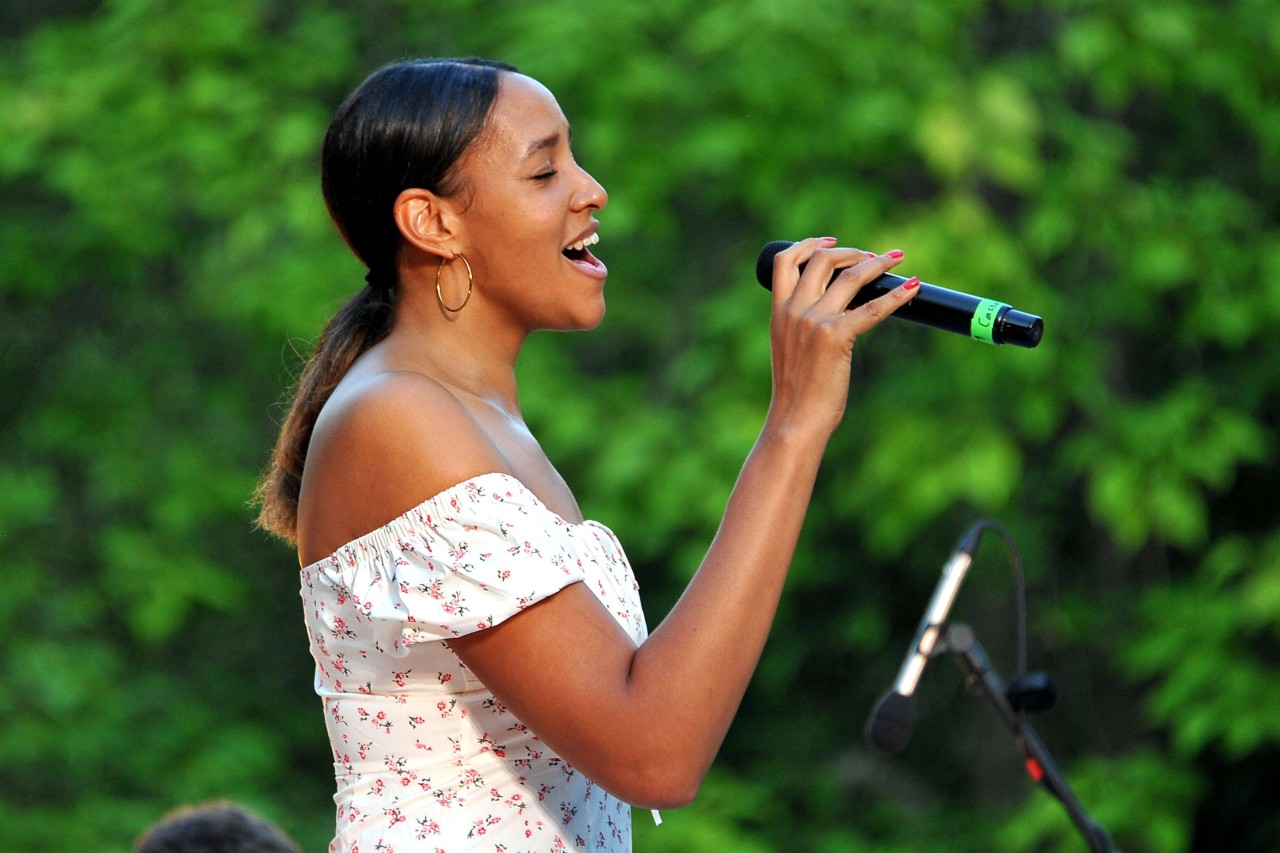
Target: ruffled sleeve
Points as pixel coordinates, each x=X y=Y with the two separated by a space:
x=461 y=561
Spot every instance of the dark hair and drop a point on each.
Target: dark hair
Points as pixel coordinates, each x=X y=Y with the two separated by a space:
x=405 y=127
x=214 y=828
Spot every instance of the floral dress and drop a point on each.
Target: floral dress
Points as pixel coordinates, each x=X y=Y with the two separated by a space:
x=425 y=758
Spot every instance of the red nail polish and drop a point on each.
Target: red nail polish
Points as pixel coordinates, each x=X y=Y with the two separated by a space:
x=828 y=239
x=895 y=254
x=871 y=254
x=911 y=283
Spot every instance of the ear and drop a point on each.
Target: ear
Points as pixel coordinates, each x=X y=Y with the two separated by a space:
x=426 y=221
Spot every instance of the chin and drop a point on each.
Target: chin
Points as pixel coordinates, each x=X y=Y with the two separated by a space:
x=585 y=321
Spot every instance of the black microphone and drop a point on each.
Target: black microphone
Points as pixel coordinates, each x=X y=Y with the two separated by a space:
x=889 y=726
x=950 y=310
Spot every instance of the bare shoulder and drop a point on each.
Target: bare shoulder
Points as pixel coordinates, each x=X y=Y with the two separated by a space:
x=382 y=445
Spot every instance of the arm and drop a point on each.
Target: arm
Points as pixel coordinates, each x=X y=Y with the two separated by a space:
x=565 y=667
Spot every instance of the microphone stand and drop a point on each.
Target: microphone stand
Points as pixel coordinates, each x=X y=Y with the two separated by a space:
x=960 y=640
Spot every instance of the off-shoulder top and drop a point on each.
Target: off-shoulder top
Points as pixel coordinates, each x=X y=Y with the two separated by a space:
x=425 y=757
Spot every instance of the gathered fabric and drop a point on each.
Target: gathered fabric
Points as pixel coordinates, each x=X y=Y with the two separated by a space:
x=425 y=757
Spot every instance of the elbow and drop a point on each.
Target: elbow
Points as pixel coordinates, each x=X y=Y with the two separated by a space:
x=660 y=785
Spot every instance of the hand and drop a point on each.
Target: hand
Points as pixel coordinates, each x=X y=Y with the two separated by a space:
x=812 y=331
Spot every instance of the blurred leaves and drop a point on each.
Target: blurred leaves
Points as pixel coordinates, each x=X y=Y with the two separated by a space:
x=165 y=260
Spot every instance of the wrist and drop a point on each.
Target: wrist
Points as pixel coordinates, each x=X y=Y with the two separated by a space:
x=797 y=437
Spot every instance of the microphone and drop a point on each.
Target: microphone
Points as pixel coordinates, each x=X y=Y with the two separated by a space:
x=950 y=310
x=889 y=726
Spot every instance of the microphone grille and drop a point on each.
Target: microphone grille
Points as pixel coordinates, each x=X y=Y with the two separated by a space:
x=889 y=727
x=764 y=264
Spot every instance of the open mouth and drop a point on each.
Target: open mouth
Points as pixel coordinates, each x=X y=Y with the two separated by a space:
x=578 y=251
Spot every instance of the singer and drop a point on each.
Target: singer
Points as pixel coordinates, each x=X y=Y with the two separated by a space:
x=480 y=650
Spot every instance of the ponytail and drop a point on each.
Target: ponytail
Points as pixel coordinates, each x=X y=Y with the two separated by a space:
x=365 y=319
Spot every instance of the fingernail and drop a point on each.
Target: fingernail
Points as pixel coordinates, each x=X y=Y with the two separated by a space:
x=870 y=254
x=895 y=253
x=828 y=239
x=911 y=283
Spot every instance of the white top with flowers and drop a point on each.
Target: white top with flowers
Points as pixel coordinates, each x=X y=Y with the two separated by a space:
x=426 y=759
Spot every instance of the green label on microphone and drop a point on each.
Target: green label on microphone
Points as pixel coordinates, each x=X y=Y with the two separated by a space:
x=983 y=325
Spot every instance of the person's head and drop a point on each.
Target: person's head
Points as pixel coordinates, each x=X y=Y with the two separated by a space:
x=430 y=160
x=214 y=828
x=435 y=159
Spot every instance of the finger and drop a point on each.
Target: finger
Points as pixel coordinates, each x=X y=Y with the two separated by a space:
x=873 y=312
x=849 y=282
x=786 y=265
x=823 y=267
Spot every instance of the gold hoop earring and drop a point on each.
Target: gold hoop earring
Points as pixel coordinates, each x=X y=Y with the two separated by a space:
x=470 y=283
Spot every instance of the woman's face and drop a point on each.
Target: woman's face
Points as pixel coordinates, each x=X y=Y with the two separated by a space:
x=527 y=205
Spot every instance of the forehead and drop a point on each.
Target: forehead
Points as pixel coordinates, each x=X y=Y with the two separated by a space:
x=524 y=113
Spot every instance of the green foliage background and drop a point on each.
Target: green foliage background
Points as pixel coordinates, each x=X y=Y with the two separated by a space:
x=1114 y=166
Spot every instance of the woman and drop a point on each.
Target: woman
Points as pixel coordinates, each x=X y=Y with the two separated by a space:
x=488 y=679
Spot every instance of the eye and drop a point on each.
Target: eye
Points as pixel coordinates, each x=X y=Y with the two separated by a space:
x=545 y=176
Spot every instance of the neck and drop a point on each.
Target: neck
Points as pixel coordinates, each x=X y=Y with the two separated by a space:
x=461 y=351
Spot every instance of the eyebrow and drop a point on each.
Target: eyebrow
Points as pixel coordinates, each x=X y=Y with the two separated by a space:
x=543 y=144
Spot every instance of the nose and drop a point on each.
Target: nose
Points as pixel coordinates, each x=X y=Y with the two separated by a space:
x=592 y=194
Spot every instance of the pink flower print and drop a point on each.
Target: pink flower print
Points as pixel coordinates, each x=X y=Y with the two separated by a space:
x=416 y=721
x=445 y=677
x=401 y=678
x=427 y=827
x=396 y=815
x=340 y=629
x=527 y=549
x=481 y=826
x=456 y=605
x=567 y=813
x=512 y=802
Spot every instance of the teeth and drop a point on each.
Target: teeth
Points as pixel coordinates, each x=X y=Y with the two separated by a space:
x=582 y=244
